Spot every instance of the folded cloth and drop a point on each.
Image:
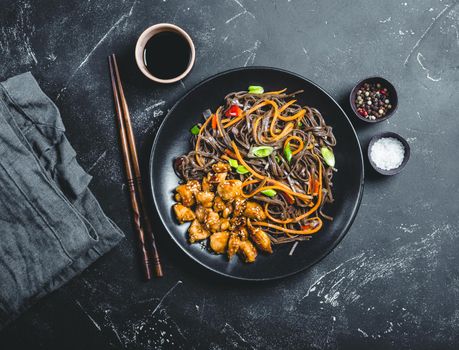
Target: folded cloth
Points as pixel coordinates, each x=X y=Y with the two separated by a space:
x=51 y=225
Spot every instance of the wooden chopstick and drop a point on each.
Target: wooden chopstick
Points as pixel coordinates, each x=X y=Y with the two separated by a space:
x=138 y=177
x=133 y=176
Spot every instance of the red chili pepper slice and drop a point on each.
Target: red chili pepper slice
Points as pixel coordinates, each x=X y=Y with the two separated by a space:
x=233 y=111
x=316 y=187
x=214 y=121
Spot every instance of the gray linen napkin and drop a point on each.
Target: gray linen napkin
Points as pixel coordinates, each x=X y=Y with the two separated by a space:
x=51 y=225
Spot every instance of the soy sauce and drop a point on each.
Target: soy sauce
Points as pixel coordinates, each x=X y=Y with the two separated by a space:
x=167 y=55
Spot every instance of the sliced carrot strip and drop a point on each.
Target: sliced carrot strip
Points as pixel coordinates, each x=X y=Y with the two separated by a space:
x=300 y=143
x=313 y=209
x=248 y=112
x=288 y=104
x=285 y=188
x=297 y=115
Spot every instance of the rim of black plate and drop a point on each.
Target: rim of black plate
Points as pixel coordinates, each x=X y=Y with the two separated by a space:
x=329 y=248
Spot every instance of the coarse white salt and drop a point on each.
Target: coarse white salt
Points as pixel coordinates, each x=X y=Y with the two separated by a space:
x=387 y=153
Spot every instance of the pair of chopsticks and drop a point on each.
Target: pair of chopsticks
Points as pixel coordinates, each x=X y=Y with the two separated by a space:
x=148 y=250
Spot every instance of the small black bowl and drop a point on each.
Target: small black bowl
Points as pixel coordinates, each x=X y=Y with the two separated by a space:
x=385 y=84
x=405 y=158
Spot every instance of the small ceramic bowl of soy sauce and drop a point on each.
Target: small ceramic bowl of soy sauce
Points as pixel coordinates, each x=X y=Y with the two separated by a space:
x=165 y=53
x=387 y=91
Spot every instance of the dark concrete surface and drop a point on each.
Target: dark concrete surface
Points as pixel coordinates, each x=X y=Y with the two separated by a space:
x=393 y=282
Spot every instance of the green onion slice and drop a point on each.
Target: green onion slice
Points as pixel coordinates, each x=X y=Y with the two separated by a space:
x=269 y=192
x=261 y=151
x=288 y=152
x=195 y=129
x=241 y=170
x=328 y=155
x=256 y=89
x=233 y=162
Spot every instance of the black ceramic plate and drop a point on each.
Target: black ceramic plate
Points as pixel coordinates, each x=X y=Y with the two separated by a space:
x=173 y=139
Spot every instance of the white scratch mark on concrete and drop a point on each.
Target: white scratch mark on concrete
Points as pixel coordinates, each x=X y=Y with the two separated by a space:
x=419 y=56
x=225 y=38
x=243 y=12
x=413 y=227
x=88 y=55
x=157 y=104
x=51 y=57
x=363 y=333
x=165 y=296
x=332 y=299
x=317 y=282
x=102 y=156
x=305 y=51
x=231 y=328
x=252 y=53
x=31 y=53
x=457 y=33
x=117 y=335
x=234 y=17
x=416 y=45
x=88 y=316
x=157 y=113
x=388 y=19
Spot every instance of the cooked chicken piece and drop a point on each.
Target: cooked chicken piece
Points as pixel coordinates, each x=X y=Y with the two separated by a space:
x=197 y=232
x=237 y=222
x=247 y=251
x=205 y=199
x=185 y=193
x=229 y=189
x=200 y=213
x=194 y=185
x=261 y=239
x=242 y=233
x=206 y=186
x=215 y=178
x=254 y=211
x=183 y=213
x=212 y=220
x=239 y=205
x=224 y=224
x=219 y=241
x=221 y=167
x=233 y=245
x=219 y=205
x=226 y=212
x=225 y=209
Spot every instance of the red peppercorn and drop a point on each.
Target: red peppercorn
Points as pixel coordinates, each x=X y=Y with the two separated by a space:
x=362 y=112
